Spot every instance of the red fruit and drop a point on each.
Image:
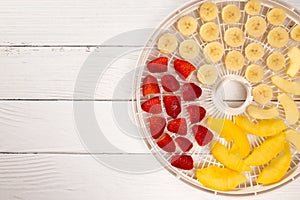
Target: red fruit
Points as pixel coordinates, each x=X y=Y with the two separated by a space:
x=152 y=106
x=196 y=113
x=183 y=68
x=178 y=126
x=150 y=85
x=172 y=105
x=191 y=91
x=157 y=126
x=166 y=143
x=184 y=144
x=184 y=162
x=202 y=135
x=158 y=65
x=169 y=83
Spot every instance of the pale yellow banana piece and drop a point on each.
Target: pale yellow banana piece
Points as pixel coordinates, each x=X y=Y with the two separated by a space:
x=290 y=108
x=276 y=61
x=189 y=49
x=167 y=43
x=256 y=26
x=208 y=11
x=209 y=32
x=207 y=74
x=276 y=16
x=291 y=87
x=187 y=25
x=214 y=51
x=231 y=14
x=262 y=94
x=262 y=113
x=234 y=60
x=234 y=37
x=254 y=73
x=295 y=33
x=254 y=51
x=253 y=7
x=278 y=37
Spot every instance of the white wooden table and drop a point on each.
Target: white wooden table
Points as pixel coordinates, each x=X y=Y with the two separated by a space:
x=43 y=45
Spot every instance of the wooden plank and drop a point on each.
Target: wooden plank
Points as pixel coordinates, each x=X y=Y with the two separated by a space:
x=81 y=177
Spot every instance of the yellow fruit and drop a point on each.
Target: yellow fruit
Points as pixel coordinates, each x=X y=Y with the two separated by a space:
x=231 y=14
x=234 y=60
x=234 y=37
x=254 y=51
x=293 y=137
x=187 y=25
x=228 y=130
x=276 y=61
x=220 y=178
x=254 y=73
x=286 y=86
x=266 y=151
x=294 y=67
x=209 y=32
x=290 y=108
x=295 y=33
x=256 y=26
x=262 y=94
x=253 y=7
x=208 y=11
x=207 y=74
x=167 y=43
x=262 y=113
x=278 y=37
x=276 y=16
x=228 y=159
x=266 y=127
x=213 y=52
x=277 y=168
x=189 y=49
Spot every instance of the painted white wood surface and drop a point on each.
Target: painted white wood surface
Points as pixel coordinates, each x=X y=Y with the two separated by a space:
x=43 y=45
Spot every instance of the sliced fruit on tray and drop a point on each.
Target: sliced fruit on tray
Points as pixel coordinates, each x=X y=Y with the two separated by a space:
x=169 y=83
x=213 y=52
x=157 y=126
x=278 y=37
x=184 y=162
x=266 y=151
x=189 y=49
x=209 y=31
x=254 y=73
x=253 y=7
x=172 y=105
x=207 y=74
x=234 y=37
x=187 y=25
x=287 y=86
x=228 y=130
x=158 y=65
x=262 y=113
x=178 y=126
x=191 y=91
x=166 y=143
x=295 y=33
x=234 y=60
x=208 y=11
x=202 y=135
x=294 y=66
x=150 y=85
x=262 y=94
x=184 y=144
x=228 y=159
x=276 y=61
x=266 y=127
x=276 y=16
x=293 y=137
x=183 y=68
x=231 y=14
x=254 y=51
x=167 y=43
x=196 y=113
x=290 y=108
x=256 y=26
x=218 y=178
x=277 y=168
x=152 y=105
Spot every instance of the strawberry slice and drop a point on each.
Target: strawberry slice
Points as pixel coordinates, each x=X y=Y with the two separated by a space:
x=183 y=68
x=184 y=162
x=152 y=105
x=184 y=144
x=172 y=105
x=169 y=83
x=191 y=91
x=158 y=65
x=196 y=113
x=157 y=126
x=202 y=135
x=166 y=143
x=150 y=85
x=178 y=126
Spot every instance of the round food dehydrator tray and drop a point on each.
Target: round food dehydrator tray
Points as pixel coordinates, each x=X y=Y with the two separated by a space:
x=210 y=100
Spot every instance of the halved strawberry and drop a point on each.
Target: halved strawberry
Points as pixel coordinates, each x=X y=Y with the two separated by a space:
x=172 y=105
x=196 y=113
x=169 y=83
x=183 y=68
x=184 y=144
x=184 y=162
x=178 y=126
x=191 y=91
x=166 y=143
x=202 y=135
x=150 y=85
x=157 y=126
x=152 y=105
x=158 y=65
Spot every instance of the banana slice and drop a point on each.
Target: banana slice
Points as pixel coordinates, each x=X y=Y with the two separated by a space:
x=209 y=32
x=295 y=33
x=254 y=73
x=234 y=37
x=276 y=16
x=208 y=11
x=167 y=43
x=214 y=51
x=187 y=25
x=254 y=51
x=231 y=14
x=234 y=60
x=256 y=26
x=253 y=7
x=262 y=113
x=278 y=37
x=207 y=74
x=262 y=94
x=189 y=49
x=276 y=61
